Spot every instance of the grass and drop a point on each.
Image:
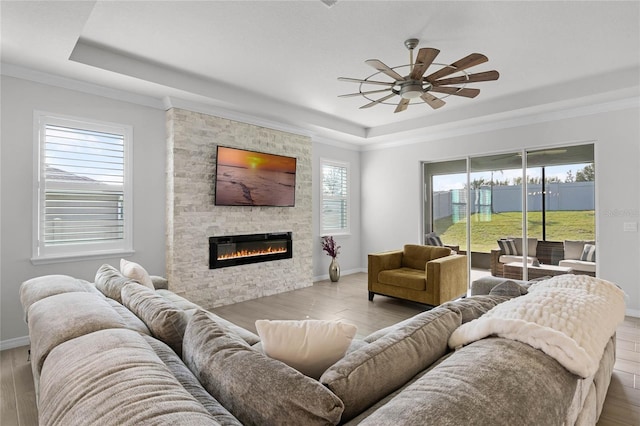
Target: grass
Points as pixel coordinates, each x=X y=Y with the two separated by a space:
x=561 y=225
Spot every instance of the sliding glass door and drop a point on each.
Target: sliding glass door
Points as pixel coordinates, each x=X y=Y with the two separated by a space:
x=542 y=199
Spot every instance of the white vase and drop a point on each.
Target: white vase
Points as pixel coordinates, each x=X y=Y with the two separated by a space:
x=334 y=270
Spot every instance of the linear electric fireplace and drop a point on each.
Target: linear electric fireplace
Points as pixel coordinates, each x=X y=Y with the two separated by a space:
x=243 y=249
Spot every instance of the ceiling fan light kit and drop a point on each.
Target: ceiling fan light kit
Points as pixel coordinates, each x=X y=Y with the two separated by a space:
x=414 y=86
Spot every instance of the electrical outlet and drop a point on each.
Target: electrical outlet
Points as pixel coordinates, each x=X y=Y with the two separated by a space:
x=630 y=227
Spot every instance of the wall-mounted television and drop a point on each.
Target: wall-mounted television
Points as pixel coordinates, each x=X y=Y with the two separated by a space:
x=250 y=178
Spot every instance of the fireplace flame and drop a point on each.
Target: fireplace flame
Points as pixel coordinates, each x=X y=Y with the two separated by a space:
x=250 y=253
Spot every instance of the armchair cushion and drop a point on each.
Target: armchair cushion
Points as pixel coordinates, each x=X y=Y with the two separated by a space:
x=404 y=277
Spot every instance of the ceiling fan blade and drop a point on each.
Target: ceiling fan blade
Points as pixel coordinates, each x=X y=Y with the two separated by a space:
x=466 y=92
x=472 y=78
x=384 y=69
x=433 y=102
x=363 y=93
x=404 y=103
x=370 y=104
x=355 y=80
x=425 y=58
x=461 y=64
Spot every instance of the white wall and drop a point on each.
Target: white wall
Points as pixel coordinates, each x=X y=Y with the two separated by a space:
x=19 y=99
x=349 y=258
x=391 y=185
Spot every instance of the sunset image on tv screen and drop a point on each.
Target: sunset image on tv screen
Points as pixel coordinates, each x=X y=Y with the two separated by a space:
x=249 y=178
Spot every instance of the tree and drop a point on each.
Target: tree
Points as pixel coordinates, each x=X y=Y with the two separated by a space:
x=569 y=177
x=587 y=174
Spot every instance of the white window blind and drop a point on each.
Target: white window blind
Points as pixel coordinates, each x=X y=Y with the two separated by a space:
x=335 y=197
x=83 y=188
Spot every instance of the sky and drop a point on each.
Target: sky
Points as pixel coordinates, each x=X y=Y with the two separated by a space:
x=458 y=181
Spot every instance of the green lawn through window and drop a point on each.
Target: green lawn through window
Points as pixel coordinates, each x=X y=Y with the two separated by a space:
x=561 y=225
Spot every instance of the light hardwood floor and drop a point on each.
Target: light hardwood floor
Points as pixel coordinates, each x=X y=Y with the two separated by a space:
x=344 y=300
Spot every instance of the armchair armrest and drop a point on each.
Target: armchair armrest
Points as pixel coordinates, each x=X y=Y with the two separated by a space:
x=380 y=262
x=447 y=277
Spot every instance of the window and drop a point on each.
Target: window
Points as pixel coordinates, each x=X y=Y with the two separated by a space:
x=335 y=197
x=82 y=189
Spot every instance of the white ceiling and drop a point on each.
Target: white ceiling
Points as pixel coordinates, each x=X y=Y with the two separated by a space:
x=279 y=60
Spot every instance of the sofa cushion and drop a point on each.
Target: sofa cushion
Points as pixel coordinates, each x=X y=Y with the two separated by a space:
x=489 y=382
x=473 y=307
x=416 y=256
x=415 y=279
x=309 y=346
x=578 y=265
x=256 y=389
x=66 y=316
x=190 y=383
x=136 y=272
x=165 y=321
x=510 y=259
x=366 y=375
x=40 y=287
x=508 y=288
x=589 y=253
x=190 y=308
x=113 y=377
x=110 y=282
x=532 y=246
x=573 y=248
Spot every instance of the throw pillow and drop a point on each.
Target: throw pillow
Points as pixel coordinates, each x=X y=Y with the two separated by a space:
x=165 y=321
x=256 y=389
x=309 y=346
x=136 y=272
x=508 y=247
x=589 y=253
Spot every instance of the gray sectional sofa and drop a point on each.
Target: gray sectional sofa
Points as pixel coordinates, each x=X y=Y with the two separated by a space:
x=115 y=352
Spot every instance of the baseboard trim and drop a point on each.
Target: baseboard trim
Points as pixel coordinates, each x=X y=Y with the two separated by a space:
x=342 y=273
x=632 y=313
x=14 y=343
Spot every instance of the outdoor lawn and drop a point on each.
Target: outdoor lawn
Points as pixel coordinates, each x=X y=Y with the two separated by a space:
x=561 y=225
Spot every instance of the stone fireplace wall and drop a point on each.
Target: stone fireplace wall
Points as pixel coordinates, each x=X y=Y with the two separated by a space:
x=192 y=216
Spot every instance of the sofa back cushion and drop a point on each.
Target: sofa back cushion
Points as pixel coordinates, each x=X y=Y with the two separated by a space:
x=48 y=285
x=490 y=382
x=165 y=321
x=66 y=316
x=532 y=246
x=573 y=248
x=256 y=389
x=110 y=281
x=113 y=377
x=416 y=256
x=366 y=375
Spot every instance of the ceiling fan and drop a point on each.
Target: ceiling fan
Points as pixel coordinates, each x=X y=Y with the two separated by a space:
x=415 y=86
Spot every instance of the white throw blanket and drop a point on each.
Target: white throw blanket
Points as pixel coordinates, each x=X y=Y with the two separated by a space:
x=568 y=317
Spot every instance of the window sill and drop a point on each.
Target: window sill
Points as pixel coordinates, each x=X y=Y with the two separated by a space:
x=45 y=260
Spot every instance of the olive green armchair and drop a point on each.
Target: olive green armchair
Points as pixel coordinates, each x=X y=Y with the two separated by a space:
x=423 y=274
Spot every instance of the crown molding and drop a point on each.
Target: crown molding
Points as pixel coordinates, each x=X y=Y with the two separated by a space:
x=511 y=119
x=29 y=74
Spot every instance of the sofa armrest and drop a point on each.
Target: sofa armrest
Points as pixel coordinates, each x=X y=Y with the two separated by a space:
x=447 y=277
x=496 y=266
